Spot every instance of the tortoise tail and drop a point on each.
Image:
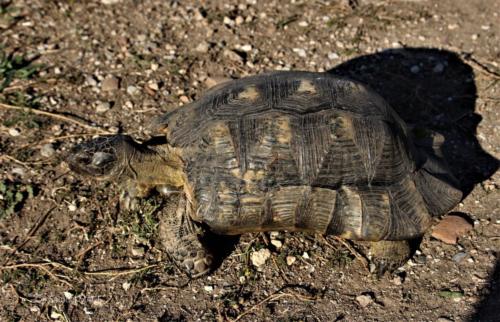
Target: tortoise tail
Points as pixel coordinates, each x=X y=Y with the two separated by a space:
x=438 y=187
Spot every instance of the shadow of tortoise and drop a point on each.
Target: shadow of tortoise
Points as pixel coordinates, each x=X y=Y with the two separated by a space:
x=434 y=89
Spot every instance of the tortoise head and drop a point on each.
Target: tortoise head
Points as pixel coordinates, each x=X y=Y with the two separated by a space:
x=103 y=157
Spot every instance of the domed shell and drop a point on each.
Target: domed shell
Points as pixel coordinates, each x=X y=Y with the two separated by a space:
x=305 y=151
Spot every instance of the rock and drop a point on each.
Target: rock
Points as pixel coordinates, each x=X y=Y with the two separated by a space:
x=415 y=69
x=208 y=288
x=300 y=51
x=290 y=260
x=260 y=257
x=90 y=80
x=450 y=228
x=246 y=48
x=364 y=300
x=184 y=99
x=153 y=86
x=126 y=286
x=202 y=47
x=132 y=90
x=68 y=295
x=232 y=55
x=333 y=55
x=276 y=243
x=138 y=251
x=239 y=20
x=110 y=83
x=72 y=207
x=47 y=150
x=14 y=132
x=444 y=319
x=305 y=255
x=102 y=107
x=110 y=1
x=458 y=257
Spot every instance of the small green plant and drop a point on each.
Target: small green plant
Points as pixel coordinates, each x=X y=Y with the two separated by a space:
x=12 y=197
x=15 y=66
x=144 y=221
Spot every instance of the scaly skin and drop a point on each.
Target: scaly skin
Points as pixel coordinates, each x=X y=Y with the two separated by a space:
x=141 y=170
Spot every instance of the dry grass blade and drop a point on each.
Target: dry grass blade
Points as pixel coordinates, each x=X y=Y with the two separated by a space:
x=54 y=116
x=272 y=297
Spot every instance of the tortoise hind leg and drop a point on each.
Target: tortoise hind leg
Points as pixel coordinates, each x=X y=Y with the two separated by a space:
x=181 y=238
x=388 y=255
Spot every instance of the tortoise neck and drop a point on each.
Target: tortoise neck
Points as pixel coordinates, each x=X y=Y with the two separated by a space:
x=160 y=165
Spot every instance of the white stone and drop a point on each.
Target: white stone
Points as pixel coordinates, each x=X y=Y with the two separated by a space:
x=364 y=300
x=290 y=260
x=276 y=243
x=102 y=107
x=260 y=257
x=47 y=150
x=208 y=288
x=126 y=286
x=132 y=90
x=14 y=132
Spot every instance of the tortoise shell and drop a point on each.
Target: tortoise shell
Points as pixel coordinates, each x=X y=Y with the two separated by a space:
x=303 y=151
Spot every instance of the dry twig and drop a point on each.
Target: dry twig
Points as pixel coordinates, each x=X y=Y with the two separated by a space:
x=55 y=116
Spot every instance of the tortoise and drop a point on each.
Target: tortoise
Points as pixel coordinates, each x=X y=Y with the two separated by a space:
x=284 y=151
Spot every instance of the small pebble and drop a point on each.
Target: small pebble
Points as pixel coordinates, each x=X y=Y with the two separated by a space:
x=232 y=55
x=153 y=86
x=397 y=280
x=55 y=315
x=132 y=90
x=202 y=47
x=47 y=150
x=90 y=80
x=126 y=286
x=246 y=48
x=110 y=83
x=72 y=207
x=239 y=20
x=184 y=99
x=98 y=302
x=364 y=300
x=300 y=51
x=444 y=319
x=305 y=255
x=102 y=107
x=19 y=171
x=415 y=69
x=290 y=260
x=458 y=257
x=260 y=257
x=68 y=295
x=138 y=251
x=208 y=288
x=276 y=243
x=333 y=56
x=14 y=132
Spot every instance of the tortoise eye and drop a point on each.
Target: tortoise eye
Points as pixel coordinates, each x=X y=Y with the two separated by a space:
x=102 y=158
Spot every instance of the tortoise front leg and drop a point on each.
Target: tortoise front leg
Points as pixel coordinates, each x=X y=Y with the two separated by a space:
x=181 y=238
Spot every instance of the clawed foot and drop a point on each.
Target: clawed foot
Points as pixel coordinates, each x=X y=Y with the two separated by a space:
x=191 y=257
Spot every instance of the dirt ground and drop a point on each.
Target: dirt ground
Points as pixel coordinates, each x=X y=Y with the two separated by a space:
x=68 y=253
